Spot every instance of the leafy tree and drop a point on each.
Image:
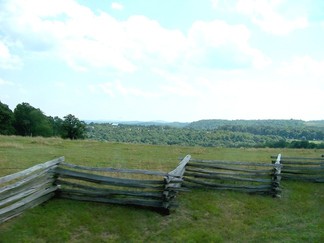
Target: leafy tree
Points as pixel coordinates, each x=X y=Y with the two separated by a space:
x=22 y=119
x=6 y=120
x=73 y=128
x=30 y=121
x=56 y=123
x=41 y=125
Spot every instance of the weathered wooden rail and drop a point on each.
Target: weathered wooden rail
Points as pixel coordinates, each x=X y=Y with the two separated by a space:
x=302 y=168
x=27 y=189
x=139 y=187
x=31 y=187
x=250 y=177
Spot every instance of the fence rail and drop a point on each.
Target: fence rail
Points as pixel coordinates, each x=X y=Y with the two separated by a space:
x=35 y=185
x=302 y=168
x=259 y=178
x=26 y=189
x=141 y=187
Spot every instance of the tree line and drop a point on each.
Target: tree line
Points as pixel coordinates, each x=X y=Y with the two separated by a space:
x=26 y=120
x=167 y=135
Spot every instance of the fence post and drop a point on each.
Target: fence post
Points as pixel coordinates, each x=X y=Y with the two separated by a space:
x=172 y=182
x=276 y=178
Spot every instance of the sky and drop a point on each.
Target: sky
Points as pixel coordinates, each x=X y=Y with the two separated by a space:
x=182 y=60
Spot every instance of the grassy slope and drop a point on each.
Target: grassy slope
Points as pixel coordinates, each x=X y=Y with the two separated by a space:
x=201 y=216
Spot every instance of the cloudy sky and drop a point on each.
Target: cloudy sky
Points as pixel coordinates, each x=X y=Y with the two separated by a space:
x=182 y=60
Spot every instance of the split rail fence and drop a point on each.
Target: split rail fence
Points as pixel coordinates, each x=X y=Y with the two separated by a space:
x=250 y=177
x=120 y=186
x=302 y=169
x=33 y=186
x=27 y=189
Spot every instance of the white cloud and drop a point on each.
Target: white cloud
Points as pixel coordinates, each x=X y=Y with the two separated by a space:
x=117 y=89
x=264 y=13
x=304 y=73
x=117 y=6
x=218 y=34
x=5 y=82
x=8 y=60
x=85 y=40
x=149 y=38
x=214 y=3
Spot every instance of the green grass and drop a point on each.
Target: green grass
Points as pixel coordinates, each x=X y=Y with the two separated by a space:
x=202 y=216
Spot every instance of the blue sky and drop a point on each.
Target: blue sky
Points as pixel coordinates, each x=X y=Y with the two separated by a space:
x=181 y=60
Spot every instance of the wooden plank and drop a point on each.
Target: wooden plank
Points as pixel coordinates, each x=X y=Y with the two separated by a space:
x=178 y=172
x=27 y=200
x=9 y=190
x=228 y=186
x=303 y=178
x=298 y=158
x=26 y=191
x=285 y=162
x=222 y=162
x=228 y=178
x=31 y=170
x=137 y=202
x=114 y=170
x=303 y=172
x=108 y=180
x=266 y=191
x=113 y=193
x=224 y=168
x=13 y=213
x=304 y=168
x=256 y=174
x=64 y=184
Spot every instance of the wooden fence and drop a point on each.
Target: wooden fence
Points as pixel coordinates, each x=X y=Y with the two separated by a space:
x=33 y=186
x=259 y=178
x=120 y=186
x=302 y=169
x=26 y=189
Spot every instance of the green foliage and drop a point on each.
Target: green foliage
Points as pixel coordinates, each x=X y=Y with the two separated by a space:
x=234 y=137
x=56 y=123
x=72 y=128
x=6 y=120
x=27 y=120
x=30 y=121
x=216 y=123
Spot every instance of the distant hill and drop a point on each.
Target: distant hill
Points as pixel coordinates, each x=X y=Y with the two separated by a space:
x=141 y=123
x=214 y=133
x=217 y=123
x=318 y=123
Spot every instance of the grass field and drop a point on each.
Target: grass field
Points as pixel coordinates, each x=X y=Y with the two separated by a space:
x=202 y=216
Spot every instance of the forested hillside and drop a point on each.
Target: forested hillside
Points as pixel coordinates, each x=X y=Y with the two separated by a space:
x=26 y=120
x=216 y=133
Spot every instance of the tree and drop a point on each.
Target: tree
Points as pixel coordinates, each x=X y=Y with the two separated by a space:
x=56 y=123
x=6 y=120
x=30 y=121
x=22 y=119
x=73 y=128
x=41 y=125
